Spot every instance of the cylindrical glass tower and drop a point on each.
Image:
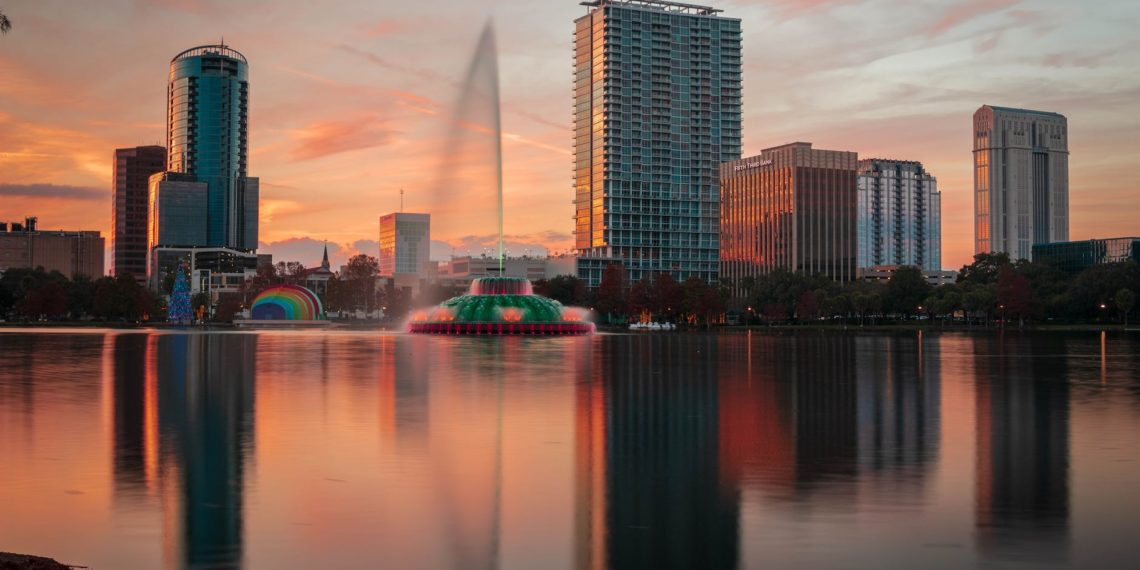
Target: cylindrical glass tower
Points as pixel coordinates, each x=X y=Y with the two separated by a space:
x=207 y=136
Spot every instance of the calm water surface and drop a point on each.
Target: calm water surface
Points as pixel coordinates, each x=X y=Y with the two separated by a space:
x=366 y=450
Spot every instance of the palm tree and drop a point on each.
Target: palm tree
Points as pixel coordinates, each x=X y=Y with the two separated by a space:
x=5 y=23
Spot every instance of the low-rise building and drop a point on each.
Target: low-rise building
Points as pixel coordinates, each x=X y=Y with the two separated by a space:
x=1076 y=256
x=213 y=270
x=462 y=270
x=882 y=274
x=24 y=246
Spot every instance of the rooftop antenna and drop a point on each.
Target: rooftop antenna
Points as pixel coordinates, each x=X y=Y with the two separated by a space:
x=401 y=200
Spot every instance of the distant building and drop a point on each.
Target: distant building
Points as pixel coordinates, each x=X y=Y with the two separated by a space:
x=791 y=207
x=900 y=215
x=317 y=279
x=24 y=246
x=1021 y=180
x=559 y=265
x=405 y=243
x=461 y=270
x=657 y=108
x=133 y=168
x=882 y=274
x=1076 y=256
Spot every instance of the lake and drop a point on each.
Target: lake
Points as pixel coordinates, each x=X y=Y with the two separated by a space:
x=331 y=449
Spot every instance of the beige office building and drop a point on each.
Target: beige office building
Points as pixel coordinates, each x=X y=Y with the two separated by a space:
x=24 y=246
x=1021 y=180
x=791 y=207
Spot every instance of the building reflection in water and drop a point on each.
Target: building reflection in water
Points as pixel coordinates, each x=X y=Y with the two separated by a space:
x=183 y=428
x=800 y=413
x=669 y=437
x=648 y=481
x=1022 y=470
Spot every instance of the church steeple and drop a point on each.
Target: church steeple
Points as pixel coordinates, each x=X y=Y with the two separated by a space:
x=325 y=260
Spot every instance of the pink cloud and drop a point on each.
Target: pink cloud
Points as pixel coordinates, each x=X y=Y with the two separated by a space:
x=325 y=138
x=381 y=29
x=966 y=11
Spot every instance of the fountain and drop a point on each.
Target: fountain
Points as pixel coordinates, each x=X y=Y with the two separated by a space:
x=493 y=305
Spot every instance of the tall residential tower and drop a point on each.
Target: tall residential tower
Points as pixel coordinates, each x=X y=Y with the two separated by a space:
x=657 y=105
x=900 y=215
x=205 y=199
x=1021 y=180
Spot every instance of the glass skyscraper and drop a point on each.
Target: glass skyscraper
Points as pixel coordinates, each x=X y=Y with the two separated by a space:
x=208 y=138
x=900 y=215
x=657 y=109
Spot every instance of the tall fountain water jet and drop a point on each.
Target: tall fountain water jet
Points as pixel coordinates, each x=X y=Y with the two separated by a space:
x=493 y=305
x=473 y=156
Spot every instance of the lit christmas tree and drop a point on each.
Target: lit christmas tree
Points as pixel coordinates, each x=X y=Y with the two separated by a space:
x=179 y=311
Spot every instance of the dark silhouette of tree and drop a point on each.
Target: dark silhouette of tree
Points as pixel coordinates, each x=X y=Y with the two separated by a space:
x=359 y=278
x=906 y=290
x=566 y=289
x=641 y=298
x=1125 y=301
x=984 y=270
x=807 y=306
x=5 y=23
x=610 y=298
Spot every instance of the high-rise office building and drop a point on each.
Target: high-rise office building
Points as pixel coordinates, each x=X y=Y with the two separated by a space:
x=405 y=244
x=657 y=104
x=900 y=215
x=1021 y=180
x=207 y=131
x=132 y=171
x=791 y=207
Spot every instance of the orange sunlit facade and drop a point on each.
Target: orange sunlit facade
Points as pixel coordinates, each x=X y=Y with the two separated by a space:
x=791 y=207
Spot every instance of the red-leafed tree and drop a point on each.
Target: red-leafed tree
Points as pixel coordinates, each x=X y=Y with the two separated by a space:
x=1014 y=295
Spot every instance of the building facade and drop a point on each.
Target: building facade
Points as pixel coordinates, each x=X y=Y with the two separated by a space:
x=1077 y=256
x=133 y=168
x=1021 y=180
x=213 y=270
x=657 y=107
x=24 y=246
x=900 y=215
x=208 y=138
x=405 y=244
x=462 y=270
x=791 y=207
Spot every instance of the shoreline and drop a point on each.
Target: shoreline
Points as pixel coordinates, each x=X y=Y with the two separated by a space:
x=13 y=561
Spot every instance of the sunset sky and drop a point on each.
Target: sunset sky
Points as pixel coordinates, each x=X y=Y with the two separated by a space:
x=350 y=102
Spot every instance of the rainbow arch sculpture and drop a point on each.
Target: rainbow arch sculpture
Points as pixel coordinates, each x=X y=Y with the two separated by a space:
x=286 y=303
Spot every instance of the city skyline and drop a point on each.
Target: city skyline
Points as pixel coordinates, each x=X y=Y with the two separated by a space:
x=351 y=101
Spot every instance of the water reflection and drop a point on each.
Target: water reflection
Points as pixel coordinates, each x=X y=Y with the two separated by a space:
x=617 y=451
x=648 y=459
x=183 y=425
x=1022 y=479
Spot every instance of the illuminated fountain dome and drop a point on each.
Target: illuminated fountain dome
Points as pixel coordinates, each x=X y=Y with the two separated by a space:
x=499 y=306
